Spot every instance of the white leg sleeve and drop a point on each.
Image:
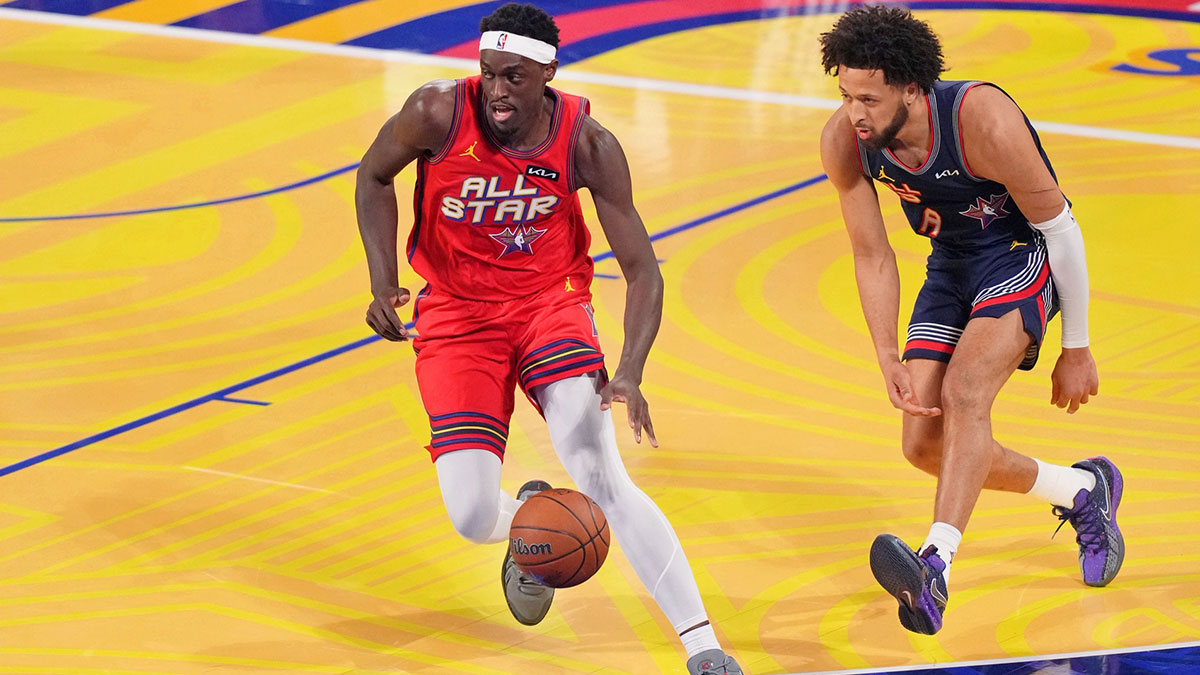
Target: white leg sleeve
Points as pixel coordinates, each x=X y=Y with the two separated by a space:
x=470 y=484
x=585 y=442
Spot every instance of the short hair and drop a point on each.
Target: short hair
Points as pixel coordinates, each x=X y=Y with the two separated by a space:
x=890 y=39
x=527 y=20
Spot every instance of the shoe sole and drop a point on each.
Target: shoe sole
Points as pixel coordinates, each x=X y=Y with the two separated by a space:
x=899 y=572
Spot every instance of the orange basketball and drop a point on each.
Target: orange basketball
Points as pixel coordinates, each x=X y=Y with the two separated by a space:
x=559 y=538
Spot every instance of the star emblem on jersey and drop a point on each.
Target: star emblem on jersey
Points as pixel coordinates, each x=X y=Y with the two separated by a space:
x=517 y=239
x=987 y=211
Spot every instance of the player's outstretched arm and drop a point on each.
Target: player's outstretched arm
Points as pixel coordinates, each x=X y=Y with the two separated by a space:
x=601 y=167
x=420 y=127
x=998 y=146
x=875 y=268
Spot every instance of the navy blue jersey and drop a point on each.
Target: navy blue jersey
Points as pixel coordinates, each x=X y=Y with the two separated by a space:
x=943 y=200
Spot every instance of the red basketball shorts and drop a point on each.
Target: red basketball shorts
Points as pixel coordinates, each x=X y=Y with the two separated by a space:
x=471 y=356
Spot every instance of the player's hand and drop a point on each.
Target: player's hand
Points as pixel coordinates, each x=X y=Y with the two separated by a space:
x=1074 y=379
x=628 y=392
x=382 y=317
x=900 y=391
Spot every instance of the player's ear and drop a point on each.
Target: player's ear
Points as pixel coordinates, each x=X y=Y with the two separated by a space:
x=550 y=69
x=912 y=92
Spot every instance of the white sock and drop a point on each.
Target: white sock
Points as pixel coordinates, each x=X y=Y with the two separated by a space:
x=470 y=483
x=1059 y=484
x=698 y=637
x=584 y=439
x=946 y=538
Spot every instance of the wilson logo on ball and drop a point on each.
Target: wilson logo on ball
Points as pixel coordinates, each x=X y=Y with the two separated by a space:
x=519 y=547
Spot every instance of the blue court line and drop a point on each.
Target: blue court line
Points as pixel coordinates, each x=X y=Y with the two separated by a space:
x=223 y=394
x=229 y=399
x=194 y=205
x=726 y=211
x=174 y=410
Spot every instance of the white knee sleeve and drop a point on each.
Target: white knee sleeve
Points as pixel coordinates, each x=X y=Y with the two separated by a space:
x=470 y=484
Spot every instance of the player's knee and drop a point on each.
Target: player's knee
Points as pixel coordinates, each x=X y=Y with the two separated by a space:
x=474 y=519
x=963 y=394
x=601 y=486
x=923 y=451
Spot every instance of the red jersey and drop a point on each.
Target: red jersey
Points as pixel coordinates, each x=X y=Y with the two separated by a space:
x=493 y=223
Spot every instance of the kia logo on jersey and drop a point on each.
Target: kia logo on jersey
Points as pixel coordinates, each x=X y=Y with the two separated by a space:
x=540 y=172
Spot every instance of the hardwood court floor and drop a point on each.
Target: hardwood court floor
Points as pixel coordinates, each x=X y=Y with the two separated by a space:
x=238 y=482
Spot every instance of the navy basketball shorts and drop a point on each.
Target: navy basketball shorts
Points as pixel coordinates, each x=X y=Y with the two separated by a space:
x=986 y=283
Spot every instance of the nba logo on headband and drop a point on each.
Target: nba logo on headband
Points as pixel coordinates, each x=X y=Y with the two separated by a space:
x=515 y=43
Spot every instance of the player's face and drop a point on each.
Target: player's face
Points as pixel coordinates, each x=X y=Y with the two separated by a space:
x=513 y=90
x=876 y=109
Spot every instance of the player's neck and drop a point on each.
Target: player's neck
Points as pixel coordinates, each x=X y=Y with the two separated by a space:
x=914 y=142
x=532 y=134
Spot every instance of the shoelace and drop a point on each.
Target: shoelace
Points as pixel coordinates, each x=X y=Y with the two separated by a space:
x=1089 y=530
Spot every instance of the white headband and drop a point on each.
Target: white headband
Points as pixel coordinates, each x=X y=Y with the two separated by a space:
x=530 y=48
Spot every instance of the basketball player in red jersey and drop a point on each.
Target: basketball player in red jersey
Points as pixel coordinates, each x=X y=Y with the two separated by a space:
x=499 y=236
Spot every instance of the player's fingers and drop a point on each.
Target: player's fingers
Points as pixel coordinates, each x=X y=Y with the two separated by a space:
x=401 y=298
x=920 y=411
x=393 y=319
x=650 y=430
x=606 y=396
x=1074 y=406
x=380 y=327
x=1083 y=399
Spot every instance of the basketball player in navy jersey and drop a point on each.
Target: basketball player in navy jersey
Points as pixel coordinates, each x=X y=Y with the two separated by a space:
x=499 y=235
x=971 y=175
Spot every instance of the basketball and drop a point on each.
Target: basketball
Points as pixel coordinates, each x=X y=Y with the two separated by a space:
x=559 y=538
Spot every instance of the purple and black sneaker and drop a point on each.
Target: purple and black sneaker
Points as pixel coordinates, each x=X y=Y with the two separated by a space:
x=1094 y=517
x=917 y=582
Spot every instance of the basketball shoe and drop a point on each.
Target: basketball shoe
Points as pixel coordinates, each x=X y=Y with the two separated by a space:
x=713 y=662
x=1094 y=517
x=527 y=600
x=916 y=581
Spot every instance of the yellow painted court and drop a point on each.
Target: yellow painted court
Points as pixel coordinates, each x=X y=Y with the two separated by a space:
x=237 y=481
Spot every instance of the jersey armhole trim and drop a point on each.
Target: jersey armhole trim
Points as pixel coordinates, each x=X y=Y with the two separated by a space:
x=459 y=85
x=862 y=157
x=959 y=147
x=585 y=107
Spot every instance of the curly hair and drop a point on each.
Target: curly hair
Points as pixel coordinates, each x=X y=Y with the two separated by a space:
x=527 y=20
x=890 y=39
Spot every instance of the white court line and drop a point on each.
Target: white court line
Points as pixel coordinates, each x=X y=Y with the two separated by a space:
x=226 y=474
x=568 y=74
x=1015 y=659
